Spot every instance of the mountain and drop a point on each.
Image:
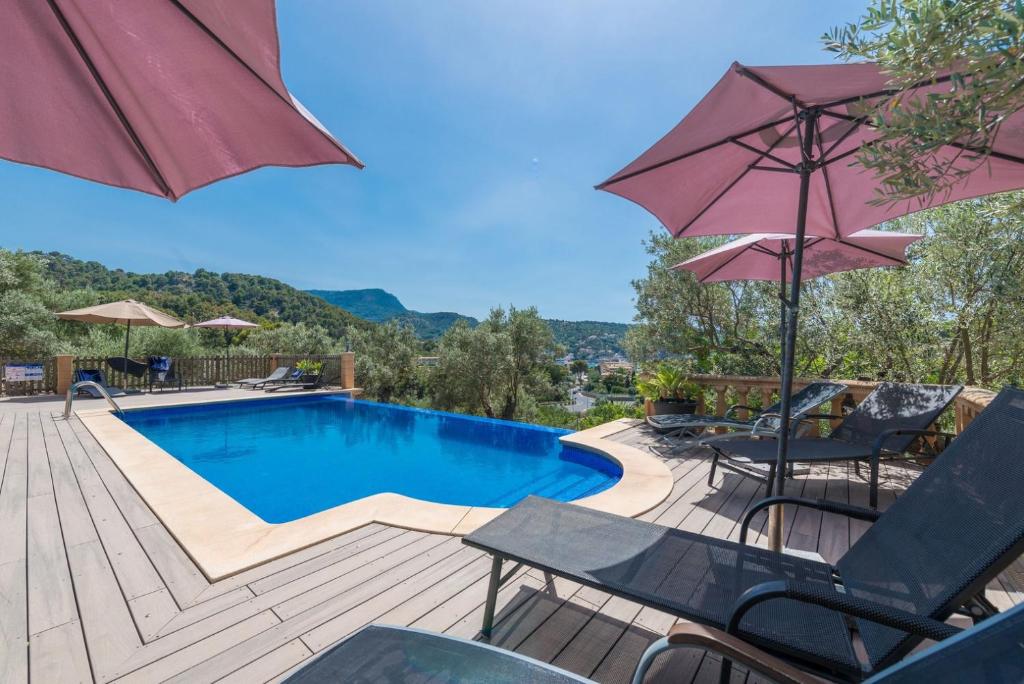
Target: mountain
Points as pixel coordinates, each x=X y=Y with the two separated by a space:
x=203 y=294
x=373 y=304
x=380 y=305
x=590 y=340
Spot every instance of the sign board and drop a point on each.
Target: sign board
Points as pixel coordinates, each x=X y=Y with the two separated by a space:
x=23 y=372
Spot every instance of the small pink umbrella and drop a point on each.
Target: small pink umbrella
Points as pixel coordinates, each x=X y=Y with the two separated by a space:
x=769 y=256
x=226 y=323
x=162 y=96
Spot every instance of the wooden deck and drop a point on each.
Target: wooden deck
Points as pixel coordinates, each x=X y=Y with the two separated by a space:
x=94 y=588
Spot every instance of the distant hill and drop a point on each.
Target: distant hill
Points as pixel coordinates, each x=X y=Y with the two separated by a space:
x=373 y=304
x=590 y=340
x=380 y=305
x=204 y=294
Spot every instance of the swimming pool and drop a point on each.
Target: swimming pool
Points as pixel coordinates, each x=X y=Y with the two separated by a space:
x=284 y=459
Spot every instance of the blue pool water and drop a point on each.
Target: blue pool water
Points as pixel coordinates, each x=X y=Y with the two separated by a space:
x=287 y=458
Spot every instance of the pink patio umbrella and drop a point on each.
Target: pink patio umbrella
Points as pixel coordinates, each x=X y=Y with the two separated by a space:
x=773 y=149
x=226 y=323
x=162 y=96
x=769 y=256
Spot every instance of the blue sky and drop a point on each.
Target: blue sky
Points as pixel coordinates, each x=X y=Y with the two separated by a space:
x=483 y=125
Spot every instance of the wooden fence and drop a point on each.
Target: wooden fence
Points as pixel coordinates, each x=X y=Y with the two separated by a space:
x=202 y=371
x=44 y=386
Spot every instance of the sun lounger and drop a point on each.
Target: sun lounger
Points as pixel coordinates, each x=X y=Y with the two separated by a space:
x=957 y=526
x=97 y=376
x=885 y=424
x=989 y=652
x=279 y=375
x=300 y=380
x=809 y=399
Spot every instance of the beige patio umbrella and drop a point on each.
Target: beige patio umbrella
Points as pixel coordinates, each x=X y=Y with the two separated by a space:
x=128 y=312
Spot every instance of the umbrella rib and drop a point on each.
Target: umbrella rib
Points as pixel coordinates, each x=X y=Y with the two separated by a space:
x=725 y=263
x=896 y=260
x=730 y=186
x=763 y=155
x=828 y=184
x=252 y=71
x=140 y=148
x=967 y=148
x=705 y=148
x=747 y=73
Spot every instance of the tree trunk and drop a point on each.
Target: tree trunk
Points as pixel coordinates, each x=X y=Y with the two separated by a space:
x=965 y=343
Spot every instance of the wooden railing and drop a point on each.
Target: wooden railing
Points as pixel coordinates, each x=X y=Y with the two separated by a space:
x=721 y=391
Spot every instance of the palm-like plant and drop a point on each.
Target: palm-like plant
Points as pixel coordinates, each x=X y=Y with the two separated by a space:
x=667 y=382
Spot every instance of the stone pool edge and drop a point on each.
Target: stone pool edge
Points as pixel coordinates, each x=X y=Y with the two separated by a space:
x=224 y=538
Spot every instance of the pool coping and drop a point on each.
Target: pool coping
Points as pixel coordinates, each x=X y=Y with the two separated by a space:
x=224 y=538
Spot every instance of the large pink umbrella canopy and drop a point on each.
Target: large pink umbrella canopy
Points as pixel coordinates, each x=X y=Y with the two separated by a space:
x=732 y=164
x=769 y=256
x=162 y=96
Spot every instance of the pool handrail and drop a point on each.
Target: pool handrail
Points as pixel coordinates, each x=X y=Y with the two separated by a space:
x=73 y=390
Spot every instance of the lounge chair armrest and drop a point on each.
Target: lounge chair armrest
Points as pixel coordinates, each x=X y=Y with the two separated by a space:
x=818 y=595
x=689 y=635
x=736 y=407
x=825 y=505
x=820 y=416
x=883 y=437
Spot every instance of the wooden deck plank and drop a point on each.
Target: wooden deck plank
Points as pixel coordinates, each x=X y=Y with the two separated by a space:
x=135 y=510
x=13 y=622
x=293 y=559
x=270 y=666
x=110 y=632
x=51 y=597
x=59 y=655
x=177 y=571
x=13 y=495
x=230 y=660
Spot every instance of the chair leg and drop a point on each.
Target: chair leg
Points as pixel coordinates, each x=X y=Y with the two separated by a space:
x=714 y=467
x=771 y=481
x=873 y=498
x=492 y=596
x=856 y=468
x=725 y=674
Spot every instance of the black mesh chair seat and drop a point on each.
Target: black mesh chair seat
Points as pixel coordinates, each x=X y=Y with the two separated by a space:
x=688 y=575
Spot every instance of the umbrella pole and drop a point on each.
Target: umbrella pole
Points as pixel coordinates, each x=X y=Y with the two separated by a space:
x=775 y=516
x=127 y=335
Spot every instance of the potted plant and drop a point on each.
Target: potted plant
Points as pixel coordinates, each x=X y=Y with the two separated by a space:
x=669 y=390
x=310 y=369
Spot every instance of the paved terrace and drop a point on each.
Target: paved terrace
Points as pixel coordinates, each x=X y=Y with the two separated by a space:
x=94 y=588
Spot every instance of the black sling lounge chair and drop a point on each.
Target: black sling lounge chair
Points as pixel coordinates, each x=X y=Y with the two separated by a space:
x=763 y=421
x=279 y=375
x=302 y=381
x=989 y=652
x=957 y=526
x=885 y=424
